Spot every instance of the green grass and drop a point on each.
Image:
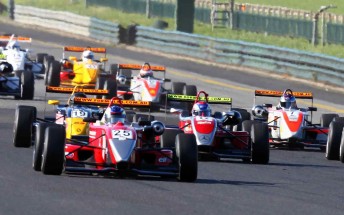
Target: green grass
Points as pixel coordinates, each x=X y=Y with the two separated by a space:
x=126 y=19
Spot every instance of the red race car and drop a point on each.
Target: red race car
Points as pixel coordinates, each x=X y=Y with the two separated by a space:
x=117 y=146
x=214 y=133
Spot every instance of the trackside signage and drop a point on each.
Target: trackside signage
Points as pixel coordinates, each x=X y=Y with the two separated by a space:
x=104 y=102
x=186 y=98
x=273 y=93
x=76 y=90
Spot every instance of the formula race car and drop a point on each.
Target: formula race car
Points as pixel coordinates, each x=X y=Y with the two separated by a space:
x=290 y=125
x=146 y=87
x=20 y=58
x=335 y=140
x=116 y=146
x=83 y=72
x=214 y=133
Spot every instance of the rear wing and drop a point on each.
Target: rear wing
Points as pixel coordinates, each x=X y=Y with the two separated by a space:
x=211 y=99
x=105 y=102
x=81 y=49
x=70 y=90
x=138 y=67
x=274 y=93
x=18 y=39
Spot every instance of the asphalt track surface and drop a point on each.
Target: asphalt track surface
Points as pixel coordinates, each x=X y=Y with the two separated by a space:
x=294 y=182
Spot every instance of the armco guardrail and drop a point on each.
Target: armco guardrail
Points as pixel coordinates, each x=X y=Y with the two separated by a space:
x=69 y=22
x=305 y=65
x=300 y=64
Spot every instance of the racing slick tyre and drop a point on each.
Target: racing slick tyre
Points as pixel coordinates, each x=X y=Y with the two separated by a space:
x=27 y=85
x=187 y=157
x=38 y=146
x=113 y=69
x=47 y=59
x=53 y=75
x=53 y=154
x=260 y=147
x=178 y=87
x=22 y=130
x=167 y=139
x=143 y=117
x=333 y=140
x=127 y=73
x=100 y=85
x=110 y=85
x=247 y=125
x=190 y=90
x=341 y=149
x=40 y=57
x=339 y=119
x=245 y=115
x=326 y=119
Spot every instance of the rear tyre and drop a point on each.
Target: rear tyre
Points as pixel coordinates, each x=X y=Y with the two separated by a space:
x=53 y=78
x=245 y=115
x=167 y=139
x=100 y=85
x=190 y=90
x=341 y=149
x=38 y=147
x=47 y=63
x=178 y=87
x=260 y=147
x=326 y=119
x=333 y=140
x=22 y=130
x=143 y=117
x=53 y=151
x=110 y=85
x=40 y=57
x=113 y=69
x=187 y=157
x=27 y=85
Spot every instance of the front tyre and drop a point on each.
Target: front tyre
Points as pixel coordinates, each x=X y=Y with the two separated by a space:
x=53 y=155
x=333 y=140
x=38 y=146
x=187 y=157
x=260 y=147
x=22 y=130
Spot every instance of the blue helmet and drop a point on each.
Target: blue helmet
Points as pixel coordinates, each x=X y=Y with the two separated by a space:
x=287 y=100
x=115 y=114
x=201 y=108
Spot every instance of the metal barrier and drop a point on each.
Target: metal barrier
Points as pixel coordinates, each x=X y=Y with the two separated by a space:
x=304 y=65
x=68 y=22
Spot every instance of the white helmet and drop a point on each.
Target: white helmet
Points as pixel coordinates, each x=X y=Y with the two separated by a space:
x=13 y=45
x=146 y=70
x=87 y=55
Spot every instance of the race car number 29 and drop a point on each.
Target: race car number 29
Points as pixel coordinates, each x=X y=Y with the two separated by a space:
x=122 y=134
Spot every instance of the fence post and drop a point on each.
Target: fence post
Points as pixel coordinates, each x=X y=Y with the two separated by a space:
x=315 y=29
x=11 y=9
x=148 y=9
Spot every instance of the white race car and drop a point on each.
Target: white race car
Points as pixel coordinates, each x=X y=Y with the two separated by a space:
x=148 y=88
x=20 y=58
x=291 y=125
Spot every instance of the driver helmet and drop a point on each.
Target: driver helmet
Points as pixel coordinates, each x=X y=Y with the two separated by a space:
x=288 y=101
x=146 y=70
x=13 y=45
x=201 y=108
x=87 y=55
x=115 y=114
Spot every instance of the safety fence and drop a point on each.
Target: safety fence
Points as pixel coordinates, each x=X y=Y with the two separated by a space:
x=304 y=65
x=250 y=17
x=69 y=22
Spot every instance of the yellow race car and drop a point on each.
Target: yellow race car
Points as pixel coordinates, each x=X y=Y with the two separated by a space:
x=85 y=71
